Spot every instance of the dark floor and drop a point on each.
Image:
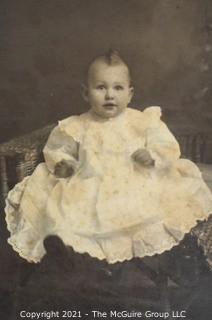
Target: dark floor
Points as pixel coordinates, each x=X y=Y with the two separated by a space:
x=65 y=280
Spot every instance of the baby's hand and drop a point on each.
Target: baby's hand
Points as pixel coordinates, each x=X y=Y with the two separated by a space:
x=142 y=156
x=64 y=169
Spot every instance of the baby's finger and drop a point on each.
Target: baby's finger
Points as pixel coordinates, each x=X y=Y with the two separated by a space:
x=138 y=153
x=142 y=157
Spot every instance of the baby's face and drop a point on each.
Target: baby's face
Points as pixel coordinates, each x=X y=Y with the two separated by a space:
x=109 y=91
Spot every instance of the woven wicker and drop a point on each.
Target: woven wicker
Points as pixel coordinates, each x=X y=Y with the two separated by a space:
x=203 y=232
x=20 y=156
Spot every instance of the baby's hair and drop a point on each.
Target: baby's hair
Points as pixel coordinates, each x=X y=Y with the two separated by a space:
x=111 y=58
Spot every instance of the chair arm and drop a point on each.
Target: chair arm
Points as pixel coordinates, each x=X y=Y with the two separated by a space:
x=19 y=157
x=196 y=146
x=203 y=232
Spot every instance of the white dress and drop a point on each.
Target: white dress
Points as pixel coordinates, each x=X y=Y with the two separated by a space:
x=112 y=207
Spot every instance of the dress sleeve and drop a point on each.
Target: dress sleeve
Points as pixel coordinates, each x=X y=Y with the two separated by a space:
x=60 y=147
x=160 y=142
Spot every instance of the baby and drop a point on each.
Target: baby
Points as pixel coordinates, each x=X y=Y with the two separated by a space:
x=112 y=184
x=108 y=93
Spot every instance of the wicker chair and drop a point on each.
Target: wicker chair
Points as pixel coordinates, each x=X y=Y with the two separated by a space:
x=20 y=156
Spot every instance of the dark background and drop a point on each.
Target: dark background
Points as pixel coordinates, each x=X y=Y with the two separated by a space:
x=45 y=47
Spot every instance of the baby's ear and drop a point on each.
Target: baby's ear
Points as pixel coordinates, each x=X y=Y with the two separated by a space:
x=84 y=92
x=131 y=92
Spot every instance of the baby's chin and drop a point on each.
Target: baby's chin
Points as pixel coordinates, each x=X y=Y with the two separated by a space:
x=108 y=112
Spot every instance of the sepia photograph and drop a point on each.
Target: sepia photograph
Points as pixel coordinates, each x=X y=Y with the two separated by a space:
x=106 y=159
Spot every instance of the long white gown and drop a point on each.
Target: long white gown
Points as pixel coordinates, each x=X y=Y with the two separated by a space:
x=112 y=207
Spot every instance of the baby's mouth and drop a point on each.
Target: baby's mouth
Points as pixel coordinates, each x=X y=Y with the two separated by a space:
x=109 y=105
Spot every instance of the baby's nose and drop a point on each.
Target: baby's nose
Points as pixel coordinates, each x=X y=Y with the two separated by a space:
x=109 y=94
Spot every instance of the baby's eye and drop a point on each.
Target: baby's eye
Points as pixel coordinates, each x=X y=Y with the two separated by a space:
x=100 y=87
x=118 y=87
